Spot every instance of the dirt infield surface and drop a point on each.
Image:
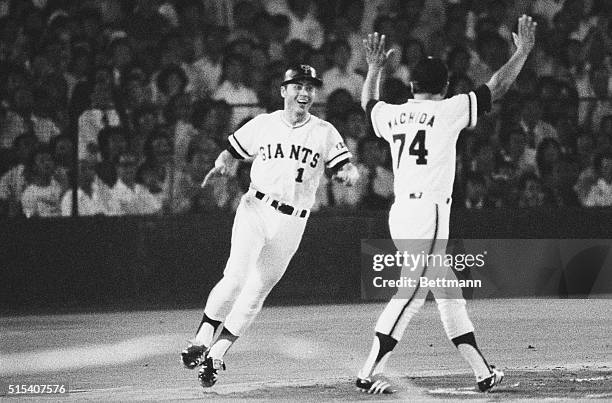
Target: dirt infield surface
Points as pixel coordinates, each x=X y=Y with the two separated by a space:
x=558 y=349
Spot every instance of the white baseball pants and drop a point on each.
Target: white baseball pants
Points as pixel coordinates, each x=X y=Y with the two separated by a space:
x=263 y=243
x=422 y=226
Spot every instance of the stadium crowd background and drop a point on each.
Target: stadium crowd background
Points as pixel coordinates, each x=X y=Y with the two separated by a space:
x=152 y=88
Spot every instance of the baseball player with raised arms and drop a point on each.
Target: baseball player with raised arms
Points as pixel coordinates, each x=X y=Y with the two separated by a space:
x=290 y=150
x=422 y=134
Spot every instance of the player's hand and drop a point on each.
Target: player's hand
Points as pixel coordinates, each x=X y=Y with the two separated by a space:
x=347 y=175
x=376 y=55
x=217 y=171
x=525 y=38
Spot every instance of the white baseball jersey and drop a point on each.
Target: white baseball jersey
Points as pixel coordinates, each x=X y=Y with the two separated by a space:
x=289 y=160
x=422 y=135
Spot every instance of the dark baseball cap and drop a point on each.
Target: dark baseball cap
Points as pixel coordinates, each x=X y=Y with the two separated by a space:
x=302 y=72
x=430 y=75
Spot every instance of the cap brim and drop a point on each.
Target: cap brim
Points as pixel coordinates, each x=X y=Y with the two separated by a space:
x=295 y=80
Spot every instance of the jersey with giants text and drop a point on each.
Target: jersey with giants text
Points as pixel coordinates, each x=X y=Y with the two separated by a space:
x=422 y=135
x=288 y=161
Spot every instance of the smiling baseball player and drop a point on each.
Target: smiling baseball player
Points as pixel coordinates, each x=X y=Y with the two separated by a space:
x=290 y=149
x=422 y=134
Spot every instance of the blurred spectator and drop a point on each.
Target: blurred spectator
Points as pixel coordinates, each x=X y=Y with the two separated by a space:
x=413 y=51
x=121 y=56
x=296 y=50
x=243 y=15
x=532 y=124
x=171 y=81
x=80 y=65
x=548 y=155
x=588 y=175
x=212 y=119
x=102 y=112
x=132 y=198
x=339 y=102
x=394 y=91
x=113 y=143
x=178 y=117
x=268 y=95
x=549 y=159
x=459 y=84
x=303 y=24
x=13 y=182
x=207 y=68
x=235 y=88
x=146 y=120
x=395 y=67
x=135 y=93
x=600 y=105
x=190 y=176
x=279 y=35
x=373 y=153
x=347 y=26
x=483 y=160
x=459 y=60
x=62 y=149
x=93 y=199
x=601 y=192
x=339 y=76
x=18 y=118
x=157 y=171
x=530 y=191
x=476 y=192
x=501 y=190
x=41 y=197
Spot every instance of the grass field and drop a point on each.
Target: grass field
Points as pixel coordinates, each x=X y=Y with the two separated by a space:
x=559 y=349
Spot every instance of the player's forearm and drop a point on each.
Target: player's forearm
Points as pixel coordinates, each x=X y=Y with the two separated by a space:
x=503 y=78
x=370 y=86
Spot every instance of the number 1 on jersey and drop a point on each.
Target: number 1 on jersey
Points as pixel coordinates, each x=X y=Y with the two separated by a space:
x=299 y=175
x=417 y=147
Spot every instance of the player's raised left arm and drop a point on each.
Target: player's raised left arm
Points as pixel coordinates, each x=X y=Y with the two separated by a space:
x=524 y=40
x=376 y=57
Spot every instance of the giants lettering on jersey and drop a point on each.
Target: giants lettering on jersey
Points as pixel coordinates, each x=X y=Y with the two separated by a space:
x=412 y=118
x=297 y=152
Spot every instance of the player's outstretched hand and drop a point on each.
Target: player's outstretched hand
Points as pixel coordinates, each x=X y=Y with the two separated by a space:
x=376 y=55
x=347 y=175
x=525 y=38
x=217 y=171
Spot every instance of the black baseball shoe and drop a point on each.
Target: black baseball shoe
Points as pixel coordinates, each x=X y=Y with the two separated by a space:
x=207 y=373
x=377 y=385
x=495 y=379
x=192 y=356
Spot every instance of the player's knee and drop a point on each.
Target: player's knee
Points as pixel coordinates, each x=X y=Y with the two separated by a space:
x=232 y=284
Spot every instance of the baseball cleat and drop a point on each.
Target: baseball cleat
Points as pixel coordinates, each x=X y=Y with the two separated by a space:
x=208 y=371
x=192 y=356
x=377 y=385
x=495 y=379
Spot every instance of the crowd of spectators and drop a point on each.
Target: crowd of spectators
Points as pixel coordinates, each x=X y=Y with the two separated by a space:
x=143 y=94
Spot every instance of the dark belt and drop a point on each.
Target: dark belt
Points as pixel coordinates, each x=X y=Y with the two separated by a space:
x=420 y=194
x=281 y=207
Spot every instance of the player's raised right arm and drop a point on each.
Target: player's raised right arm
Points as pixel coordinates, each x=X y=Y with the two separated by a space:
x=503 y=78
x=376 y=57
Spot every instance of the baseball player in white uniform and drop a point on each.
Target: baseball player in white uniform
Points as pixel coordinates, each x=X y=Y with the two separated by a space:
x=290 y=150
x=422 y=134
